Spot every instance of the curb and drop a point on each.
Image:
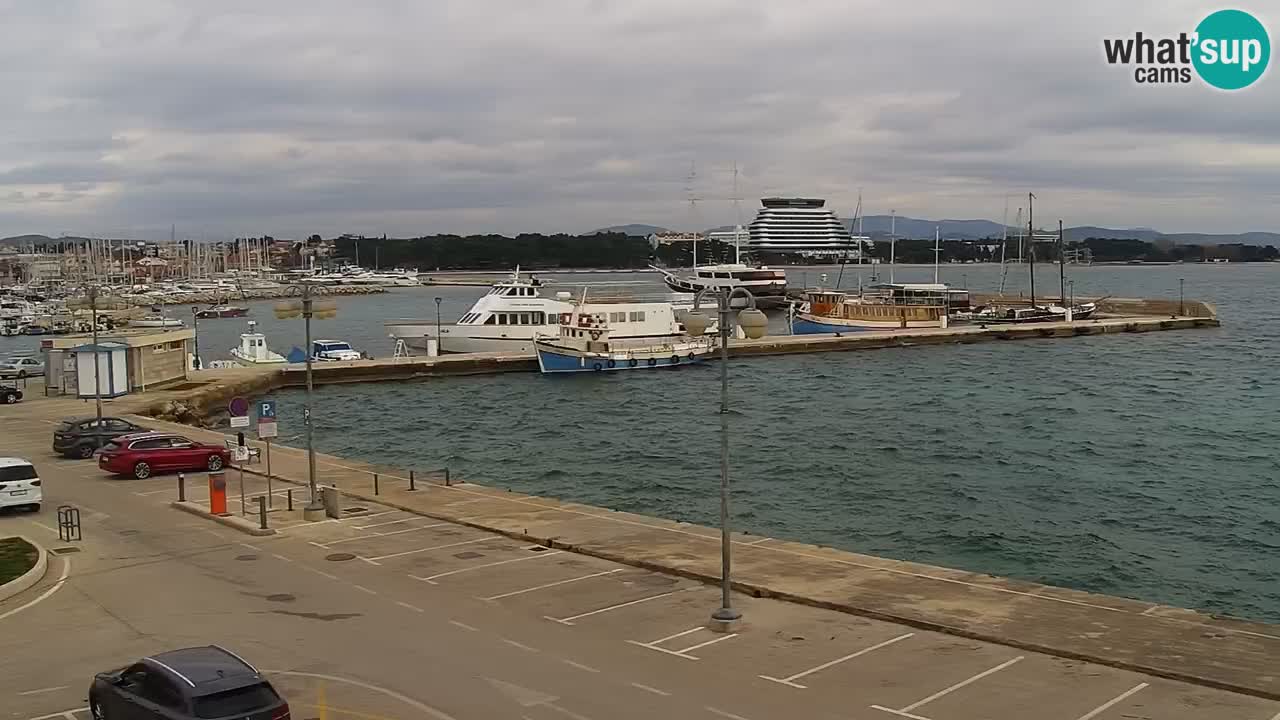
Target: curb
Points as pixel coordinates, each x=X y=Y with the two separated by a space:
x=24 y=581
x=232 y=522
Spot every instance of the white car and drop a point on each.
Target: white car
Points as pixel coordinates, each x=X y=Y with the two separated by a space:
x=331 y=350
x=21 y=367
x=19 y=484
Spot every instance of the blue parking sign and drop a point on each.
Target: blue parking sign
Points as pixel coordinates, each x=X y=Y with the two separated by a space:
x=266 y=410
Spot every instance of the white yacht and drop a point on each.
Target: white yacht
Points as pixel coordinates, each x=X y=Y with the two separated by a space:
x=253 y=348
x=768 y=285
x=514 y=312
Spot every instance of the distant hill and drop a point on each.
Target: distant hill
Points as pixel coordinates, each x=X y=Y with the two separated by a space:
x=632 y=229
x=20 y=240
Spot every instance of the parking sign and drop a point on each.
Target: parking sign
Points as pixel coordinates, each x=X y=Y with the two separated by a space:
x=266 y=410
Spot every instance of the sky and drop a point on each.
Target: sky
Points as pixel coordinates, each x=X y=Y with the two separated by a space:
x=123 y=118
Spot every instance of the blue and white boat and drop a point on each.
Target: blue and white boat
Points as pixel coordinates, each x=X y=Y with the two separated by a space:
x=585 y=341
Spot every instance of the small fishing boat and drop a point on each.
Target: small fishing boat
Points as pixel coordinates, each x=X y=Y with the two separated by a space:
x=156 y=319
x=333 y=351
x=584 y=343
x=253 y=348
x=222 y=311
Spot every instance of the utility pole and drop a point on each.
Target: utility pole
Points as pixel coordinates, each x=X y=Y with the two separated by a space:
x=1031 y=238
x=1062 y=267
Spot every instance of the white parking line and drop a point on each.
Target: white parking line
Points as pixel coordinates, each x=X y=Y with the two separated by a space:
x=653 y=690
x=569 y=620
x=68 y=714
x=724 y=714
x=41 y=691
x=370 y=536
x=686 y=651
x=431 y=579
x=414 y=608
x=580 y=666
x=551 y=585
x=362 y=516
x=670 y=637
x=364 y=589
x=791 y=680
x=387 y=522
x=463 y=625
x=427 y=549
x=520 y=645
x=1119 y=698
x=906 y=711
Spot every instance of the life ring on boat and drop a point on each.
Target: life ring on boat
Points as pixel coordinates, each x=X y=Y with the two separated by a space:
x=597 y=367
x=633 y=362
x=613 y=363
x=675 y=359
x=595 y=334
x=653 y=361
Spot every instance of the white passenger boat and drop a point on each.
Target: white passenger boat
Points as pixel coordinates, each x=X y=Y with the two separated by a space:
x=253 y=348
x=156 y=319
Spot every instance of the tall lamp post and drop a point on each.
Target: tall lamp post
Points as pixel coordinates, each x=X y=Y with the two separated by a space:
x=307 y=307
x=195 y=325
x=439 y=340
x=1182 y=310
x=91 y=297
x=754 y=324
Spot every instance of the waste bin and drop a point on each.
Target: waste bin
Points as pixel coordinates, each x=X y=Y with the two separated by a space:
x=332 y=501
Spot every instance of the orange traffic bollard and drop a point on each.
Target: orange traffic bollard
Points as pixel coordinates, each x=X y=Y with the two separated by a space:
x=218 y=493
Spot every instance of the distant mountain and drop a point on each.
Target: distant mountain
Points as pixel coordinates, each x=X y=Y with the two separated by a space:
x=20 y=240
x=905 y=227
x=632 y=229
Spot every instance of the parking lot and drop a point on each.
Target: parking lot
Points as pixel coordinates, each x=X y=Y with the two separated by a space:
x=873 y=668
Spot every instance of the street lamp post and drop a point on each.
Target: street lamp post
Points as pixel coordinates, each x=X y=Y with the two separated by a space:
x=439 y=340
x=306 y=307
x=1071 y=284
x=1182 y=310
x=754 y=324
x=97 y=384
x=195 y=325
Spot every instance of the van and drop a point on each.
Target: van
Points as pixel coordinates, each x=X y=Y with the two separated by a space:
x=19 y=484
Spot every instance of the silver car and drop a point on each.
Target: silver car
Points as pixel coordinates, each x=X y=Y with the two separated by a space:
x=21 y=367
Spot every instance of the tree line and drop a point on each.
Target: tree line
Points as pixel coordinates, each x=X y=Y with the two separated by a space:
x=617 y=250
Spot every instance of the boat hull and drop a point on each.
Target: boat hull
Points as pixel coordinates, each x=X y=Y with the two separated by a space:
x=554 y=359
x=806 y=324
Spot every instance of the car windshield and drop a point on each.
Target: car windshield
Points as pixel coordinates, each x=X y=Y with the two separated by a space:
x=240 y=701
x=17 y=472
x=65 y=425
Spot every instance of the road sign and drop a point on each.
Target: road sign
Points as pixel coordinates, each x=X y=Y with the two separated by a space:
x=240 y=454
x=238 y=406
x=266 y=410
x=239 y=421
x=267 y=430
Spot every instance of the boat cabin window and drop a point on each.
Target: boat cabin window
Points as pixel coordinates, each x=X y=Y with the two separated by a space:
x=617 y=317
x=637 y=316
x=502 y=318
x=491 y=320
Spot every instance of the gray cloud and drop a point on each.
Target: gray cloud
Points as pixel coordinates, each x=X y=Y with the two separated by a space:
x=403 y=117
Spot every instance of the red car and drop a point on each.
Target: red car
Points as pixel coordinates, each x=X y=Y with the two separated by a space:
x=144 y=454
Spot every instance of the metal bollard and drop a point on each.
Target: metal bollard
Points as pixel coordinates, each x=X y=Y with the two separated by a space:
x=262 y=512
x=182 y=487
x=412 y=485
x=447 y=482
x=375 y=483
x=290 y=496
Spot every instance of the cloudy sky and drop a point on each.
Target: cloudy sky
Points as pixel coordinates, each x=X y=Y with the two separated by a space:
x=121 y=117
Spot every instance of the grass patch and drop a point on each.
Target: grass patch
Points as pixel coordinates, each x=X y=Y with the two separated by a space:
x=17 y=556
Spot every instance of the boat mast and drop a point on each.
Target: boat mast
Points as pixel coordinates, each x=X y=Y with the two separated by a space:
x=937 y=251
x=893 y=238
x=737 y=215
x=857 y=219
x=693 y=211
x=1062 y=268
x=1031 y=238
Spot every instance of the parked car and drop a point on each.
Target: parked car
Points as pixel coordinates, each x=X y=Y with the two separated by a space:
x=199 y=683
x=10 y=394
x=19 y=484
x=81 y=437
x=145 y=454
x=21 y=367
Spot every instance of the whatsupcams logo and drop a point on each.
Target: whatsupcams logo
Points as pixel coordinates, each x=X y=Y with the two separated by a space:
x=1229 y=50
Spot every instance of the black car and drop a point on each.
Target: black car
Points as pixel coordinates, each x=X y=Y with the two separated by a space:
x=80 y=437
x=199 y=683
x=9 y=394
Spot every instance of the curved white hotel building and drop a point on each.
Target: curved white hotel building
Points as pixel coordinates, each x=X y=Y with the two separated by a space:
x=801 y=225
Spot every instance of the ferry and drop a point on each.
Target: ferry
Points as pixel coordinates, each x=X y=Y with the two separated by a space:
x=585 y=341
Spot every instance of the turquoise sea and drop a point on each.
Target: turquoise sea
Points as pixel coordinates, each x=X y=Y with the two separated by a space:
x=1136 y=465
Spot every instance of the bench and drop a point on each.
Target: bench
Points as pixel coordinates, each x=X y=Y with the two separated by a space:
x=255 y=454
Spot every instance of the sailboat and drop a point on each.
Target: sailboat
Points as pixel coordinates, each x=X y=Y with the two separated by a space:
x=768 y=285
